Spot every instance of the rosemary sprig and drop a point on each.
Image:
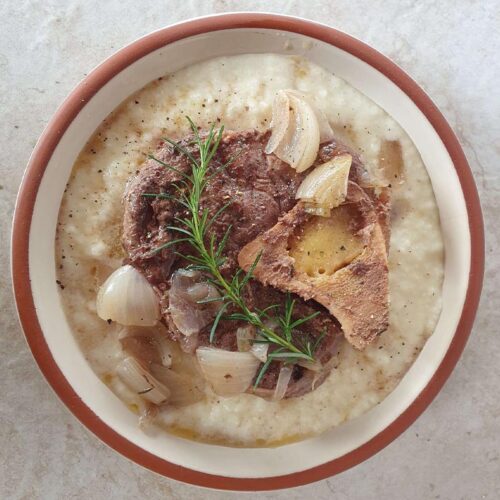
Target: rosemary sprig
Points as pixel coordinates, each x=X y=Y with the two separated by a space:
x=208 y=255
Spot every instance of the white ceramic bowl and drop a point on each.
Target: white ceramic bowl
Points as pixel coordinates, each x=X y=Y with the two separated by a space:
x=34 y=271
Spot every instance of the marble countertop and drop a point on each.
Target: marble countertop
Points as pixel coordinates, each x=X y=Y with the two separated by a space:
x=450 y=48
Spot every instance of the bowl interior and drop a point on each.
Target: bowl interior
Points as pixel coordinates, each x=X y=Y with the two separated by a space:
x=66 y=353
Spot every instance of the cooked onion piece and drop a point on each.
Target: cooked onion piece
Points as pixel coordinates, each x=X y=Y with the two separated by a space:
x=326 y=186
x=147 y=345
x=280 y=121
x=244 y=337
x=127 y=298
x=141 y=347
x=184 y=389
x=283 y=381
x=188 y=344
x=300 y=146
x=295 y=131
x=141 y=381
x=259 y=350
x=228 y=372
x=325 y=130
x=187 y=301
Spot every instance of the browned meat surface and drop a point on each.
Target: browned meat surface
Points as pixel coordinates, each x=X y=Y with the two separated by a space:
x=357 y=293
x=260 y=188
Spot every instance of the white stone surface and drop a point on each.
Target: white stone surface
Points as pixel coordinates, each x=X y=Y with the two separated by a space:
x=451 y=48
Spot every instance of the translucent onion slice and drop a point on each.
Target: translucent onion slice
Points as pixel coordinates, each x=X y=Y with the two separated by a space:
x=228 y=372
x=325 y=130
x=259 y=350
x=244 y=337
x=141 y=381
x=280 y=121
x=147 y=345
x=127 y=298
x=142 y=348
x=326 y=186
x=295 y=131
x=189 y=343
x=191 y=301
x=283 y=381
x=184 y=389
x=300 y=145
x=272 y=324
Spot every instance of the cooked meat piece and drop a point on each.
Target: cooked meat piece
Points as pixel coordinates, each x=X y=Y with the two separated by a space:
x=260 y=189
x=354 y=286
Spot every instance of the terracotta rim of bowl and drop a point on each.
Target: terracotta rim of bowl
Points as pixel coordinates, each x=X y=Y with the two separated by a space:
x=51 y=137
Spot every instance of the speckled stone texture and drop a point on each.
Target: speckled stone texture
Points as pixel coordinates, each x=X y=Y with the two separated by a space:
x=451 y=48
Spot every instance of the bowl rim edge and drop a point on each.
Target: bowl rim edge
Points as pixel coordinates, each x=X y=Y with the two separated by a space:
x=56 y=128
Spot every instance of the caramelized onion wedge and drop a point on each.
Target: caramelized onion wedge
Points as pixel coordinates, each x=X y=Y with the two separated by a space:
x=295 y=131
x=228 y=372
x=326 y=186
x=127 y=298
x=283 y=381
x=137 y=378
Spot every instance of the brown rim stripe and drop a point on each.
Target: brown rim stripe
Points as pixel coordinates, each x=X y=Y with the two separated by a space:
x=35 y=171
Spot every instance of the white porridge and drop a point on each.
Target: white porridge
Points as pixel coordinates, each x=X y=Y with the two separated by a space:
x=239 y=91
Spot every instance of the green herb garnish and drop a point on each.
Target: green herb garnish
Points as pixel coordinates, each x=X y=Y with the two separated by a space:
x=207 y=256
